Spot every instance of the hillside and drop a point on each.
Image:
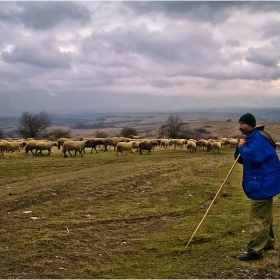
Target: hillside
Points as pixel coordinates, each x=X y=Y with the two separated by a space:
x=215 y=123
x=214 y=129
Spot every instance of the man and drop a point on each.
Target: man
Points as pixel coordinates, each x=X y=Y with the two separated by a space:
x=261 y=182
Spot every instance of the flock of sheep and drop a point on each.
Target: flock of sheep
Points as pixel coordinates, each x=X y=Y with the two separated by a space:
x=120 y=145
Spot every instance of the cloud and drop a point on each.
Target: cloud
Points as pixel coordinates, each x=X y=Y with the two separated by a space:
x=138 y=55
x=45 y=15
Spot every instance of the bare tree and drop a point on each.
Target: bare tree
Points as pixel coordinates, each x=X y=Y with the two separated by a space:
x=128 y=131
x=1 y=134
x=173 y=126
x=33 y=125
x=55 y=134
x=100 y=134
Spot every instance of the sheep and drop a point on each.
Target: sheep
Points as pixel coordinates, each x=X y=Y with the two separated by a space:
x=30 y=146
x=124 y=146
x=113 y=141
x=224 y=140
x=43 y=145
x=135 y=145
x=209 y=145
x=71 y=145
x=156 y=142
x=202 y=143
x=179 y=142
x=277 y=145
x=165 y=143
x=216 y=146
x=133 y=137
x=60 y=142
x=146 y=145
x=233 y=142
x=110 y=141
x=93 y=143
x=10 y=146
x=191 y=146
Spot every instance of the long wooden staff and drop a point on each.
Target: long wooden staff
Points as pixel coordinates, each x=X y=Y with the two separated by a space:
x=213 y=201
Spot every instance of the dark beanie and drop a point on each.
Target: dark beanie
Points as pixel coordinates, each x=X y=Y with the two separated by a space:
x=248 y=119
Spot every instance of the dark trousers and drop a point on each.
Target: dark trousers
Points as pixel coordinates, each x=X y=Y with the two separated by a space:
x=261 y=225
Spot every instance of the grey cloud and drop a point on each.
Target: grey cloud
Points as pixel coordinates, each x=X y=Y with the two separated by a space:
x=233 y=43
x=201 y=11
x=38 y=55
x=193 y=10
x=263 y=57
x=45 y=15
x=193 y=45
x=136 y=55
x=271 y=29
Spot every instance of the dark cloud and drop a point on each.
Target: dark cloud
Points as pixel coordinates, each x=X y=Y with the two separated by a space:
x=46 y=15
x=201 y=11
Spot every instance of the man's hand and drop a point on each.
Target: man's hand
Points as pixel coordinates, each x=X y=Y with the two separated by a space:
x=241 y=142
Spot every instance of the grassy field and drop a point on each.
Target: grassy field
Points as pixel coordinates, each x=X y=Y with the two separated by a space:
x=108 y=216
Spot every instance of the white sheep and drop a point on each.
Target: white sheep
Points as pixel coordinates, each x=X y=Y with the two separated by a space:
x=224 y=140
x=72 y=145
x=277 y=145
x=110 y=141
x=202 y=143
x=43 y=145
x=216 y=146
x=30 y=146
x=164 y=143
x=11 y=146
x=191 y=146
x=179 y=143
x=60 y=142
x=124 y=147
x=233 y=142
x=135 y=144
x=209 y=145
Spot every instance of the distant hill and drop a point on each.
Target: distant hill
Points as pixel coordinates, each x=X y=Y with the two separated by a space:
x=88 y=123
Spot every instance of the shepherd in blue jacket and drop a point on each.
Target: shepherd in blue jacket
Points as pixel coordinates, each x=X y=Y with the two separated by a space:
x=261 y=182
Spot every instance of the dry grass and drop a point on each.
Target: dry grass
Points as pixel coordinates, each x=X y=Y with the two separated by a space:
x=103 y=216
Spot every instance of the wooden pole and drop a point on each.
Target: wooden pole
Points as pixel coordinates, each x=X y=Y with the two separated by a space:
x=213 y=201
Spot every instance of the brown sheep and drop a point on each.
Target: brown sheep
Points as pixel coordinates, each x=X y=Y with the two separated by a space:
x=93 y=143
x=146 y=145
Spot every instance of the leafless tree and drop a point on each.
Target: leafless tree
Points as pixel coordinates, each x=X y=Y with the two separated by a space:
x=128 y=131
x=1 y=134
x=33 y=125
x=173 y=126
x=55 y=134
x=100 y=134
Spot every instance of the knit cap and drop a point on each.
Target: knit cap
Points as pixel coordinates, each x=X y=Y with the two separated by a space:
x=248 y=119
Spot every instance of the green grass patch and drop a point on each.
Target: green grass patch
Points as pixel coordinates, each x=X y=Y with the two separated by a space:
x=108 y=216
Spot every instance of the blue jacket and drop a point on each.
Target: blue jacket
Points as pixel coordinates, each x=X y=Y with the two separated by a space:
x=261 y=167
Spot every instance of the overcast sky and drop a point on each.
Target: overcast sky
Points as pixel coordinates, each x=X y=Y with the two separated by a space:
x=73 y=57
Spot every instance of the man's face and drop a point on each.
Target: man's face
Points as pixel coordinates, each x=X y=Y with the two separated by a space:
x=245 y=128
